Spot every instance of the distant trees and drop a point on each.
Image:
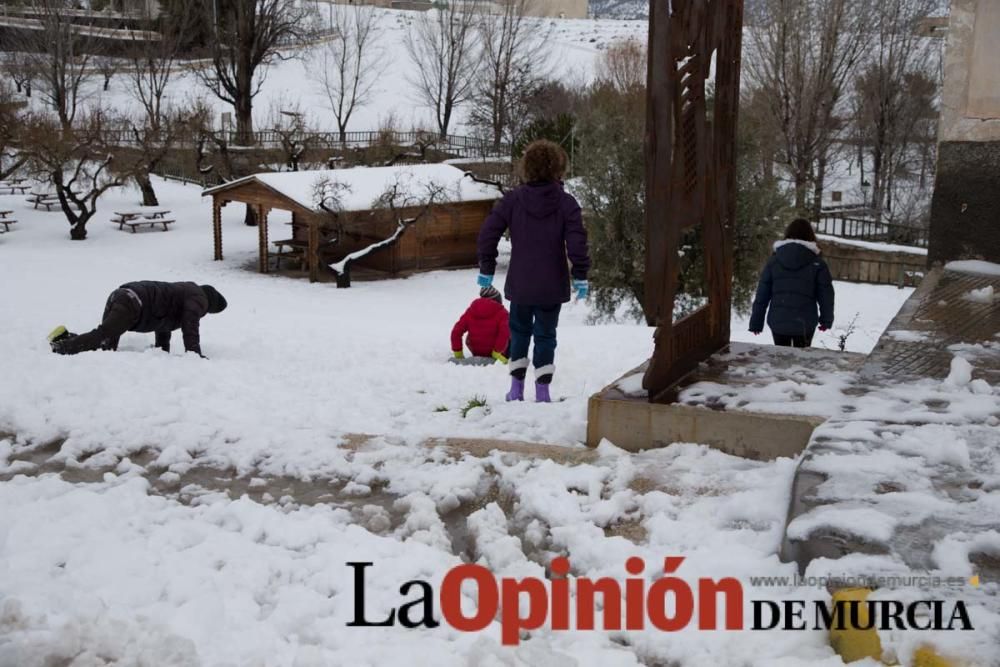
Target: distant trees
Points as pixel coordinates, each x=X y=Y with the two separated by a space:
x=76 y=162
x=827 y=77
x=802 y=58
x=151 y=66
x=348 y=65
x=514 y=62
x=55 y=60
x=247 y=37
x=894 y=96
x=444 y=46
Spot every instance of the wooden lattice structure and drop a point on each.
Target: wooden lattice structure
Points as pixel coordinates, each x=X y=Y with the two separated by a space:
x=690 y=175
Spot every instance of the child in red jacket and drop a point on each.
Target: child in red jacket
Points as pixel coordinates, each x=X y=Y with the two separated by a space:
x=487 y=324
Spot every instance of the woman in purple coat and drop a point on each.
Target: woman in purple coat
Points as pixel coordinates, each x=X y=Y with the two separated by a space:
x=546 y=228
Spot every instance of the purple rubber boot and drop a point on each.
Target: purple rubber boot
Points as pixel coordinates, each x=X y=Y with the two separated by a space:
x=542 y=393
x=516 y=392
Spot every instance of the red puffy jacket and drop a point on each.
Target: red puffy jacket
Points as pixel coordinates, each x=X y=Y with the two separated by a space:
x=488 y=326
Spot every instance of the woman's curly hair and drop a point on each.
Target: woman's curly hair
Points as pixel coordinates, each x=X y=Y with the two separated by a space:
x=543 y=161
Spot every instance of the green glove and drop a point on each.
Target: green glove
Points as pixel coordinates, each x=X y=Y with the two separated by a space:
x=499 y=357
x=458 y=354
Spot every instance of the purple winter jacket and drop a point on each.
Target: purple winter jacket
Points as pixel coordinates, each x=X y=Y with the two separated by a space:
x=545 y=227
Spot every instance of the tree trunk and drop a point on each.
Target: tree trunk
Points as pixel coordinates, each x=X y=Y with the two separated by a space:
x=146 y=188
x=78 y=231
x=344 y=279
x=819 y=186
x=801 y=181
x=251 y=217
x=244 y=121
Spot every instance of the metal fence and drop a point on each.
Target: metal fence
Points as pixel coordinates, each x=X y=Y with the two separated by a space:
x=877 y=231
x=456 y=145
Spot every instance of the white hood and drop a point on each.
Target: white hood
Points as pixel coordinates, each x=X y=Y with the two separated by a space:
x=806 y=244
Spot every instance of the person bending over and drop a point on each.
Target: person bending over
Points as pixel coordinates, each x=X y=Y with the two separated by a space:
x=485 y=327
x=146 y=306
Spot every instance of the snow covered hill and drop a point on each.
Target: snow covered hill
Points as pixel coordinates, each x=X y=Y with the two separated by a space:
x=619 y=9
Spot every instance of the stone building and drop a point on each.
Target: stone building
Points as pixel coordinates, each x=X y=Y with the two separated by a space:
x=965 y=211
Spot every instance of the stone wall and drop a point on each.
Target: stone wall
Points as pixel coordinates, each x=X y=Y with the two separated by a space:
x=965 y=210
x=857 y=263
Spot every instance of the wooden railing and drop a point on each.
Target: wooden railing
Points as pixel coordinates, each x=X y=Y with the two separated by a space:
x=866 y=229
x=459 y=146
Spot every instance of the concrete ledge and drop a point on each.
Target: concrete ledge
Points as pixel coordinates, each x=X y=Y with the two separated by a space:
x=632 y=423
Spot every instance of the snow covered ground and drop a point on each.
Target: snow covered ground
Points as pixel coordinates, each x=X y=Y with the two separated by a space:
x=112 y=569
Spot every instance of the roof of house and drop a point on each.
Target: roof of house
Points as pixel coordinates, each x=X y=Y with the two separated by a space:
x=359 y=188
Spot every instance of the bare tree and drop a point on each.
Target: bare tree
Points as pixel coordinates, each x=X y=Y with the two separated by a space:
x=77 y=162
x=514 y=50
x=894 y=93
x=443 y=44
x=54 y=58
x=11 y=128
x=108 y=67
x=623 y=66
x=802 y=55
x=247 y=38
x=17 y=65
x=347 y=66
x=289 y=123
x=152 y=64
x=404 y=203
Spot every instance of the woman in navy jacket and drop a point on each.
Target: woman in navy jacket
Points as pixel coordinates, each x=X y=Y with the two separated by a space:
x=797 y=285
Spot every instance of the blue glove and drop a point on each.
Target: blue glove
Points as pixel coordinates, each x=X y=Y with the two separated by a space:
x=582 y=288
x=484 y=280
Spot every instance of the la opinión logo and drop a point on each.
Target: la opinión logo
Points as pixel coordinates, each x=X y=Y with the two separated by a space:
x=630 y=604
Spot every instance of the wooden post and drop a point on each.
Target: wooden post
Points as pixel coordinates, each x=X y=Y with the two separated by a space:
x=263 y=263
x=690 y=176
x=217 y=226
x=312 y=252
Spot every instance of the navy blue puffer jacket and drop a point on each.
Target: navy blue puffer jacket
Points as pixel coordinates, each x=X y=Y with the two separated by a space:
x=797 y=285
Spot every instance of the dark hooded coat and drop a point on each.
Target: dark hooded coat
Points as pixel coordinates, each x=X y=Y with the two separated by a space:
x=795 y=290
x=546 y=228
x=170 y=306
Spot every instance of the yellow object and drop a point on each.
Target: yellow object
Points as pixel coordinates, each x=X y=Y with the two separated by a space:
x=926 y=657
x=852 y=643
x=974 y=580
x=458 y=354
x=499 y=357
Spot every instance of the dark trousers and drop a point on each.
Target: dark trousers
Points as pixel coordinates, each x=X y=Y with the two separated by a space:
x=120 y=313
x=538 y=323
x=792 y=341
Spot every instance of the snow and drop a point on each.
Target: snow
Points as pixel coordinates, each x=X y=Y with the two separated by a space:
x=871 y=245
x=974 y=266
x=157 y=561
x=960 y=373
x=361 y=188
x=981 y=295
x=162 y=509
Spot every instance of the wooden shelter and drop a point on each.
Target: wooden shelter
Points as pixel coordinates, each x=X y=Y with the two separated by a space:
x=343 y=211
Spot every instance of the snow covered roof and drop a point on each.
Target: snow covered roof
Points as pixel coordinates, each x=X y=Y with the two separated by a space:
x=359 y=188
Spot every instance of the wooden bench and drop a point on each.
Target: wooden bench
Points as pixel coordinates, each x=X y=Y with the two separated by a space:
x=292 y=249
x=46 y=199
x=13 y=188
x=134 y=223
x=6 y=220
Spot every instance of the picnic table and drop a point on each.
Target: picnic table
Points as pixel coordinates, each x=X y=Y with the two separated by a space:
x=46 y=199
x=13 y=187
x=6 y=220
x=142 y=218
